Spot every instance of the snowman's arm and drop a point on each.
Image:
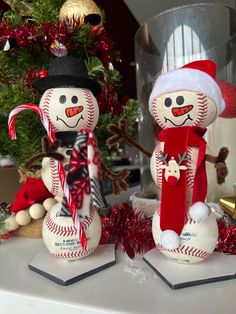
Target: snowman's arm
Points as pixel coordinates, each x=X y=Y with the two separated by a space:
x=220 y=164
x=117 y=178
x=48 y=150
x=120 y=134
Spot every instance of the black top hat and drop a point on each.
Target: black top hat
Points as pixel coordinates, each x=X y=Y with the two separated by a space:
x=67 y=71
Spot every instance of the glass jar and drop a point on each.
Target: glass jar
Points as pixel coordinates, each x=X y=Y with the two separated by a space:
x=168 y=41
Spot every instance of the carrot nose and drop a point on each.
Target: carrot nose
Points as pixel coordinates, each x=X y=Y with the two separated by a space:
x=73 y=111
x=180 y=111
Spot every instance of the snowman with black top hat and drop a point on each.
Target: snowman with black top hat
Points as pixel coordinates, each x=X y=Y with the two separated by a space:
x=68 y=100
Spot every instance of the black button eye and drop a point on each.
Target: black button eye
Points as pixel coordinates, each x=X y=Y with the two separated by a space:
x=180 y=100
x=74 y=99
x=62 y=99
x=168 y=102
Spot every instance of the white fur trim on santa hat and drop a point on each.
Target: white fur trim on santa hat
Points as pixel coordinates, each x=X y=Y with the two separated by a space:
x=185 y=79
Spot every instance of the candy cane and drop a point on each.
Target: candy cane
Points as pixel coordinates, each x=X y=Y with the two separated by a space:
x=71 y=204
x=44 y=119
x=46 y=123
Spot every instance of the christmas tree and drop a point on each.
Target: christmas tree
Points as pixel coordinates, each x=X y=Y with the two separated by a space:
x=32 y=33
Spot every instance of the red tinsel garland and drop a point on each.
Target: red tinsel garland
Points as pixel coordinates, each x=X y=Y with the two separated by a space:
x=31 y=75
x=49 y=32
x=102 y=46
x=227 y=238
x=29 y=34
x=131 y=231
x=25 y=35
x=108 y=100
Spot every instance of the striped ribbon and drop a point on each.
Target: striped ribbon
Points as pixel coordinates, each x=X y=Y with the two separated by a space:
x=71 y=204
x=35 y=108
x=61 y=171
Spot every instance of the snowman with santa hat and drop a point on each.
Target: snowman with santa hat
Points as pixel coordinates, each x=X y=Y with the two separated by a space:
x=184 y=102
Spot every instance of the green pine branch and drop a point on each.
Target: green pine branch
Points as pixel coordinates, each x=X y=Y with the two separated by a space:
x=45 y=10
x=95 y=68
x=82 y=36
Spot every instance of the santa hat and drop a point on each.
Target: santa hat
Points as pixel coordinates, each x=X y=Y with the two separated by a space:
x=197 y=76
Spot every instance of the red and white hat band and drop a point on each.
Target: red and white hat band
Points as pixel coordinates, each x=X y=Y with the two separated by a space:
x=185 y=79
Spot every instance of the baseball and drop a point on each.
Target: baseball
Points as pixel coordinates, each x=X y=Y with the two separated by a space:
x=70 y=108
x=198 y=239
x=61 y=236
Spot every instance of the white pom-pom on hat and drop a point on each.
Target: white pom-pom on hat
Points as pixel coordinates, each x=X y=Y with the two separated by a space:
x=199 y=211
x=170 y=240
x=198 y=76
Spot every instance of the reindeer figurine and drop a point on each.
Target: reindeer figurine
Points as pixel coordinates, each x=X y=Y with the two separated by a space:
x=172 y=168
x=183 y=102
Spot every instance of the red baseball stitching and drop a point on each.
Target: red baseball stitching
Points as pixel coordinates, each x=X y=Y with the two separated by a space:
x=186 y=250
x=155 y=114
x=46 y=101
x=75 y=253
x=158 y=163
x=45 y=106
x=54 y=176
x=67 y=230
x=190 y=171
x=90 y=108
x=202 y=108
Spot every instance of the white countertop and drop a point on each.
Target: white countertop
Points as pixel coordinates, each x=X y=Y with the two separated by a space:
x=121 y=288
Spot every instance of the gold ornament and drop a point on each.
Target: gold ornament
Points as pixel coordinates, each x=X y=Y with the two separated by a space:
x=82 y=11
x=228 y=203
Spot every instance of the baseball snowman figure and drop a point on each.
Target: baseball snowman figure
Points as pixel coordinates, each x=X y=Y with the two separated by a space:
x=184 y=102
x=69 y=102
x=72 y=170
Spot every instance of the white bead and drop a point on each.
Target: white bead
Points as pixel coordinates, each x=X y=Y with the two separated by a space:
x=23 y=217
x=36 y=211
x=48 y=203
x=10 y=223
x=58 y=199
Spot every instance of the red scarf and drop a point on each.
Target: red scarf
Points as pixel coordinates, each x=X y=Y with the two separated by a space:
x=173 y=197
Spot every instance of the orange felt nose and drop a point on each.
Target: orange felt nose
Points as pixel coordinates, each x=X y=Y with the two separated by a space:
x=73 y=111
x=180 y=111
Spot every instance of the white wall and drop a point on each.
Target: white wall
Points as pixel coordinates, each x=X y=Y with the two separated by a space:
x=145 y=9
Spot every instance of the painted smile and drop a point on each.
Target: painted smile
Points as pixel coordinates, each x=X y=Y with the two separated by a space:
x=73 y=126
x=188 y=118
